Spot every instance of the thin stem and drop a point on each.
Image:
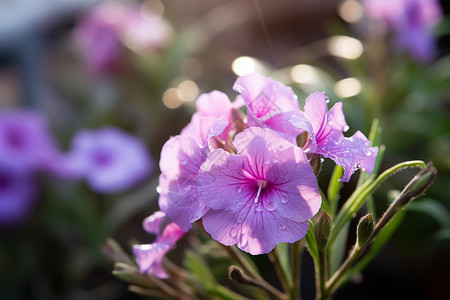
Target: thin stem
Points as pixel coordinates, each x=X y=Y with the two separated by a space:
x=297 y=250
x=236 y=255
x=322 y=277
x=273 y=257
x=237 y=275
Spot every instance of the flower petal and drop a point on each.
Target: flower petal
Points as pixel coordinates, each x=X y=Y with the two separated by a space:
x=352 y=153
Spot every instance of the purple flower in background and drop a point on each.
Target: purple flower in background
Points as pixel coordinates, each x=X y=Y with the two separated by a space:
x=96 y=34
x=181 y=158
x=17 y=191
x=260 y=197
x=411 y=21
x=149 y=256
x=25 y=138
x=101 y=33
x=110 y=159
x=327 y=139
x=270 y=104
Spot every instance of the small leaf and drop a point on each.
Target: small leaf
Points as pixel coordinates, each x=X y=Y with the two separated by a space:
x=311 y=243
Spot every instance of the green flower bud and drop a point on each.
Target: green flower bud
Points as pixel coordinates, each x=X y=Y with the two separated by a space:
x=322 y=229
x=364 y=230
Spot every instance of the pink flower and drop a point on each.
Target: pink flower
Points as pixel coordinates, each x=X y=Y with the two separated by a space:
x=327 y=139
x=260 y=197
x=149 y=256
x=270 y=104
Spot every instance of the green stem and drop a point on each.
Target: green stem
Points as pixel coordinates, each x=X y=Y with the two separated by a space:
x=297 y=250
x=321 y=278
x=273 y=257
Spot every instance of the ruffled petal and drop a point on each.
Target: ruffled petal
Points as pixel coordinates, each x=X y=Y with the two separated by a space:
x=352 y=153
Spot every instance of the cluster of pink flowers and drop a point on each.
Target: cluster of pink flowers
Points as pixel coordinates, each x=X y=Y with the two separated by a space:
x=245 y=176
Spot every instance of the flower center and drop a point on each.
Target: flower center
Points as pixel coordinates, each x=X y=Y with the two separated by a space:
x=261 y=184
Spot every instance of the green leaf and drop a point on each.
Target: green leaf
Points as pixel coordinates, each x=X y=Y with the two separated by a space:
x=434 y=209
x=311 y=243
x=205 y=279
x=282 y=252
x=333 y=190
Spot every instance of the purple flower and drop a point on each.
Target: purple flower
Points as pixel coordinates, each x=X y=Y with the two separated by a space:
x=17 y=191
x=261 y=196
x=411 y=21
x=149 y=256
x=25 y=138
x=101 y=32
x=270 y=104
x=327 y=139
x=96 y=34
x=110 y=159
x=181 y=158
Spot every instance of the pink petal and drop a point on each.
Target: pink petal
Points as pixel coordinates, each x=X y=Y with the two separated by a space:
x=152 y=222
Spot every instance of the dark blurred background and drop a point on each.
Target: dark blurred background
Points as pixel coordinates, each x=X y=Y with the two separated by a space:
x=149 y=89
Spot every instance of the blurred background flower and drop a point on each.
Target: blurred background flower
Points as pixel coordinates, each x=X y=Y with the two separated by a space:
x=138 y=66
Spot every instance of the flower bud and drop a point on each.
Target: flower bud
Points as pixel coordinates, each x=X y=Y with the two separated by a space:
x=322 y=229
x=364 y=230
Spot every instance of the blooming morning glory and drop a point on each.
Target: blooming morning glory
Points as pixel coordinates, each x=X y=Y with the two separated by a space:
x=17 y=191
x=261 y=196
x=149 y=256
x=270 y=104
x=327 y=139
x=25 y=138
x=110 y=159
x=411 y=21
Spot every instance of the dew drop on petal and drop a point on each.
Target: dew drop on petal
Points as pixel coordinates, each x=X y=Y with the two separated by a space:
x=268 y=162
x=233 y=231
x=183 y=162
x=282 y=226
x=368 y=152
x=271 y=206
x=240 y=219
x=158 y=189
x=346 y=128
x=243 y=240
x=284 y=200
x=258 y=207
x=239 y=189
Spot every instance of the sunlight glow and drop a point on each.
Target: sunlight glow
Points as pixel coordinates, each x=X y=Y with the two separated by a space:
x=347 y=87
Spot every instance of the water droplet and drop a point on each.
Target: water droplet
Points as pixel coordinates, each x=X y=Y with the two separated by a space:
x=240 y=219
x=268 y=162
x=271 y=206
x=346 y=128
x=200 y=146
x=183 y=162
x=328 y=100
x=258 y=207
x=239 y=189
x=158 y=189
x=233 y=231
x=284 y=200
x=275 y=159
x=330 y=122
x=282 y=226
x=243 y=240
x=368 y=152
